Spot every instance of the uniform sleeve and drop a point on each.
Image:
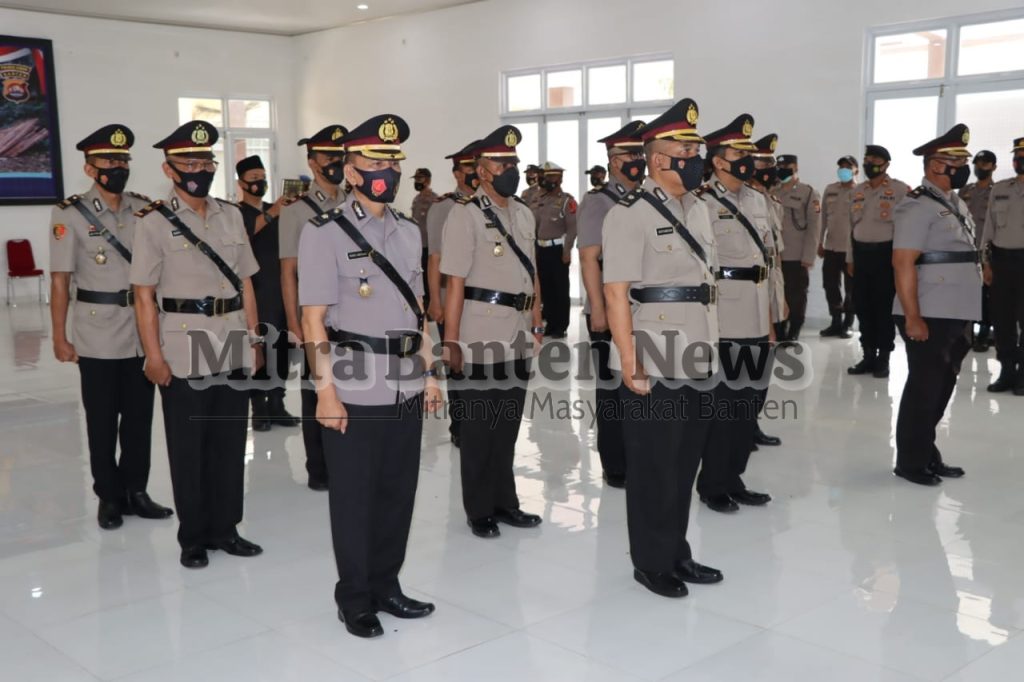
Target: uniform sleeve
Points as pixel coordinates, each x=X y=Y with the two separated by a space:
x=147 y=251
x=825 y=215
x=416 y=246
x=435 y=225
x=813 y=209
x=247 y=265
x=911 y=226
x=988 y=229
x=318 y=263
x=623 y=245
x=289 y=224
x=589 y=222
x=62 y=242
x=458 y=242
x=571 y=208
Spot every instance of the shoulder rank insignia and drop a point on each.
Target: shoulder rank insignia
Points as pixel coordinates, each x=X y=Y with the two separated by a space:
x=141 y=197
x=324 y=218
x=224 y=202
x=464 y=200
x=630 y=198
x=916 y=192
x=596 y=190
x=70 y=201
x=149 y=208
x=399 y=215
x=520 y=200
x=701 y=191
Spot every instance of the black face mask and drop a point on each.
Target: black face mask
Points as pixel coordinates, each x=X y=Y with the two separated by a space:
x=507 y=183
x=634 y=170
x=419 y=186
x=531 y=180
x=958 y=176
x=334 y=172
x=983 y=173
x=256 y=187
x=596 y=181
x=785 y=174
x=742 y=169
x=471 y=180
x=195 y=184
x=767 y=176
x=549 y=185
x=1018 y=165
x=690 y=171
x=116 y=179
x=872 y=171
x=380 y=186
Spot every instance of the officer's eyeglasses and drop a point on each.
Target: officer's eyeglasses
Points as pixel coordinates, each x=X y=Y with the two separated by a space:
x=195 y=165
x=110 y=163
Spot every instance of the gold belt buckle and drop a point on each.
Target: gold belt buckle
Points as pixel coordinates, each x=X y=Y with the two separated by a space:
x=762 y=273
x=712 y=294
x=220 y=306
x=406 y=344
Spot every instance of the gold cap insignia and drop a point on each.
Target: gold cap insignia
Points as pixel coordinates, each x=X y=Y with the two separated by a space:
x=336 y=134
x=748 y=127
x=119 y=139
x=388 y=131
x=967 y=136
x=200 y=136
x=511 y=139
x=691 y=115
x=773 y=144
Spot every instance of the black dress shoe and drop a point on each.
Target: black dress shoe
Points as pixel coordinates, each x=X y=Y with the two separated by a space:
x=517 y=518
x=276 y=413
x=194 y=557
x=260 y=424
x=1006 y=381
x=919 y=477
x=484 y=528
x=720 y=503
x=456 y=441
x=614 y=480
x=945 y=471
x=762 y=438
x=751 y=498
x=108 y=516
x=664 y=584
x=317 y=484
x=690 y=571
x=237 y=546
x=401 y=606
x=361 y=623
x=865 y=366
x=881 y=370
x=142 y=505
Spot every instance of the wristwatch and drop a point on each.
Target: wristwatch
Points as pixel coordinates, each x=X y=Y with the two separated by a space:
x=536 y=330
x=255 y=340
x=432 y=372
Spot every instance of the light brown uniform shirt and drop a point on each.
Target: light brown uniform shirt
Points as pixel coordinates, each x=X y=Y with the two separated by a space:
x=976 y=197
x=472 y=248
x=590 y=220
x=98 y=330
x=556 y=217
x=531 y=194
x=436 y=218
x=778 y=282
x=421 y=204
x=296 y=214
x=165 y=259
x=835 y=217
x=801 y=221
x=872 y=210
x=1004 y=222
x=642 y=248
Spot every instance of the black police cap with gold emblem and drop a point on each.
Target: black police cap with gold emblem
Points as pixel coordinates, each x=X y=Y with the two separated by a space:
x=1017 y=144
x=380 y=137
x=114 y=139
x=626 y=138
x=952 y=143
x=736 y=134
x=678 y=123
x=766 y=145
x=877 y=150
x=787 y=159
x=327 y=140
x=194 y=137
x=501 y=144
x=465 y=155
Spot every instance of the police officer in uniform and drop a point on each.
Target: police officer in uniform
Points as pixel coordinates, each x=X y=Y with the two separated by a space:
x=598 y=176
x=492 y=321
x=533 y=189
x=801 y=225
x=739 y=221
x=977 y=195
x=833 y=247
x=324 y=156
x=260 y=219
x=627 y=165
x=92 y=242
x=871 y=213
x=556 y=234
x=1003 y=242
x=421 y=203
x=938 y=294
x=361 y=291
x=193 y=295
x=659 y=263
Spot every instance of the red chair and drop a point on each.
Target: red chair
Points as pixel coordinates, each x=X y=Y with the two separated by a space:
x=20 y=264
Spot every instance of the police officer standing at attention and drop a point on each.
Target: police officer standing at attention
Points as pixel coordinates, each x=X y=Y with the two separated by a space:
x=421 y=203
x=556 y=234
x=739 y=221
x=260 y=219
x=765 y=178
x=598 y=176
x=659 y=264
x=533 y=189
x=92 y=243
x=627 y=165
x=977 y=195
x=493 y=311
x=1003 y=242
x=324 y=156
x=938 y=294
x=801 y=225
x=361 y=292
x=833 y=247
x=193 y=259
x=871 y=212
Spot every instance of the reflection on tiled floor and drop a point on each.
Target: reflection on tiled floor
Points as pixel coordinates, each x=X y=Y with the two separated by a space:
x=848 y=575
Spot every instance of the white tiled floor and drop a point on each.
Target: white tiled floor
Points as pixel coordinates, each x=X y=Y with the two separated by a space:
x=848 y=575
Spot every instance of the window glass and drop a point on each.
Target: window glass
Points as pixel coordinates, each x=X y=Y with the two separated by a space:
x=991 y=128
x=201 y=109
x=900 y=125
x=606 y=84
x=524 y=92
x=653 y=80
x=248 y=113
x=565 y=89
x=910 y=56
x=990 y=48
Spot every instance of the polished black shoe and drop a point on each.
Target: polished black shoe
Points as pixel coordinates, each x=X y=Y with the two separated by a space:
x=317 y=484
x=945 y=471
x=614 y=480
x=1018 y=388
x=751 y=498
x=108 y=516
x=237 y=546
x=919 y=477
x=762 y=438
x=194 y=557
x=456 y=441
x=260 y=424
x=865 y=366
x=664 y=584
x=484 y=528
x=720 y=503
x=401 y=606
x=142 y=505
x=279 y=416
x=1006 y=381
x=690 y=571
x=517 y=518
x=834 y=329
x=881 y=369
x=363 y=624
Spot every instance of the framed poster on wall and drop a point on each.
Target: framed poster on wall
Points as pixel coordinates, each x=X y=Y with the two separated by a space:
x=30 y=170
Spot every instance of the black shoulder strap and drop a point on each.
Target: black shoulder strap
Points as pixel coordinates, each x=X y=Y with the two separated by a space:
x=661 y=208
x=608 y=193
x=941 y=200
x=312 y=204
x=520 y=254
x=203 y=247
x=381 y=262
x=751 y=230
x=94 y=223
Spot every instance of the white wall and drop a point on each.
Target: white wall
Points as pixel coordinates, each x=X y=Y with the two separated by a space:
x=133 y=74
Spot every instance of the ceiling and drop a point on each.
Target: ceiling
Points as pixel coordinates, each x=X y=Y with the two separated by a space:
x=280 y=17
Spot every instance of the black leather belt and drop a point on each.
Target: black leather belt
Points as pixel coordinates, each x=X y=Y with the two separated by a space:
x=1009 y=253
x=757 y=273
x=403 y=345
x=943 y=257
x=208 y=306
x=705 y=294
x=520 y=302
x=872 y=246
x=123 y=298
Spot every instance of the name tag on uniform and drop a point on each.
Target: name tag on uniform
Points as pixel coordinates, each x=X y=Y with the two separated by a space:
x=665 y=230
x=352 y=255
x=724 y=214
x=93 y=232
x=999 y=198
x=945 y=213
x=491 y=225
x=175 y=233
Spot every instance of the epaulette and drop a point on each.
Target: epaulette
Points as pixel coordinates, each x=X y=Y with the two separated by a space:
x=292 y=199
x=324 y=218
x=70 y=201
x=401 y=216
x=149 y=209
x=464 y=200
x=631 y=198
x=224 y=202
x=596 y=190
x=917 y=192
x=141 y=197
x=775 y=198
x=521 y=200
x=447 y=195
x=701 y=191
